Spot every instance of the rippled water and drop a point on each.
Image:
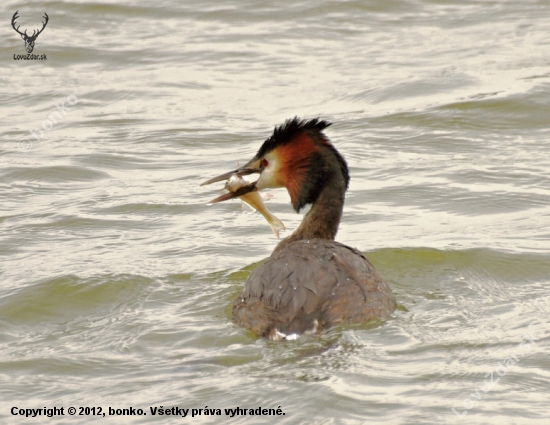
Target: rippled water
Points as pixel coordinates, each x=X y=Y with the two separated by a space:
x=117 y=279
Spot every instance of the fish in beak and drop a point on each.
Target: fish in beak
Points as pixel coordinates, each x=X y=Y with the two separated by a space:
x=238 y=186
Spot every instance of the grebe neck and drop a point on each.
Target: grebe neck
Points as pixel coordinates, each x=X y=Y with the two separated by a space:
x=323 y=218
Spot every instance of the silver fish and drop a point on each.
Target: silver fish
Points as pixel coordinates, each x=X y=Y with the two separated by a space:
x=254 y=199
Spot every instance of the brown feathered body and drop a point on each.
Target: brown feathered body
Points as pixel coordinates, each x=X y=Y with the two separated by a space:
x=310 y=285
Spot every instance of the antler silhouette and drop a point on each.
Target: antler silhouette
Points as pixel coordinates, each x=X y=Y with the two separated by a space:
x=43 y=25
x=13 y=23
x=29 y=39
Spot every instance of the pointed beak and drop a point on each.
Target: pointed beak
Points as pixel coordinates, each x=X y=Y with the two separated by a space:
x=243 y=190
x=239 y=192
x=239 y=172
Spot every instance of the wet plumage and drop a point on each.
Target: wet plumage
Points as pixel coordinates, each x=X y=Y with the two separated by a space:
x=310 y=285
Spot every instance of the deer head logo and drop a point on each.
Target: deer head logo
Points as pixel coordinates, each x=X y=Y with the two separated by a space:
x=29 y=39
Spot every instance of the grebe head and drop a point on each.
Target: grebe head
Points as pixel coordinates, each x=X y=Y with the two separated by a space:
x=297 y=156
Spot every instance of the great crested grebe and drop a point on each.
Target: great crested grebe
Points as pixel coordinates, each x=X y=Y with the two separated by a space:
x=309 y=282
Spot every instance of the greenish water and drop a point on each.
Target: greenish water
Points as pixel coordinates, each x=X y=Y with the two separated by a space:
x=116 y=278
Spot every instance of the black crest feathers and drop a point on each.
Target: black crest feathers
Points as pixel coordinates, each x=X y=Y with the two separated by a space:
x=284 y=133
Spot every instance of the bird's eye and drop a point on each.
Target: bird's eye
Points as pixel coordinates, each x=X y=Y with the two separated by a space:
x=264 y=163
